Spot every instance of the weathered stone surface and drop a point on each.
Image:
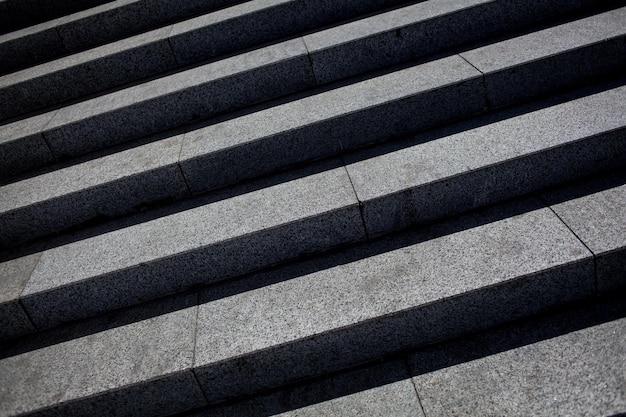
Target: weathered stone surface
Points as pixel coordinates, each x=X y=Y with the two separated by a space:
x=406 y=293
x=579 y=373
x=13 y=277
x=142 y=368
x=109 y=186
x=329 y=122
x=599 y=220
x=206 y=244
x=486 y=164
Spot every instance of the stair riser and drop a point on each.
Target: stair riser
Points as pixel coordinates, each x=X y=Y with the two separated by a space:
x=186 y=270
x=373 y=339
x=67 y=130
x=193 y=41
x=492 y=184
x=110 y=200
x=328 y=137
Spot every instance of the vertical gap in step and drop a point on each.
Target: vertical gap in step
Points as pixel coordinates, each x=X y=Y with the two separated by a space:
x=19 y=300
x=180 y=167
x=45 y=139
x=62 y=41
x=405 y=361
x=595 y=259
x=483 y=79
x=308 y=55
x=367 y=236
x=195 y=342
x=169 y=44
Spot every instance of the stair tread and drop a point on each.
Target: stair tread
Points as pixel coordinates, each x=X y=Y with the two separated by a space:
x=383 y=207
x=136 y=353
x=576 y=368
x=577 y=373
x=210 y=242
x=531 y=259
x=114 y=118
x=329 y=194
x=408 y=173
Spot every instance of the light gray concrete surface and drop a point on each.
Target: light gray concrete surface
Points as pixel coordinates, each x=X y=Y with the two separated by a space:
x=109 y=186
x=577 y=374
x=489 y=163
x=449 y=280
x=13 y=277
x=141 y=368
x=22 y=145
x=180 y=98
x=419 y=30
x=209 y=243
x=554 y=58
x=378 y=391
x=326 y=123
x=599 y=220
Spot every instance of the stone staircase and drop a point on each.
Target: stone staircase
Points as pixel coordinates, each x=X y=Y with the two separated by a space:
x=306 y=207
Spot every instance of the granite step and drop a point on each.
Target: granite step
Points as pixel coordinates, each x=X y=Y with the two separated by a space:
x=92 y=27
x=156 y=51
x=16 y=14
x=409 y=290
x=259 y=21
x=591 y=133
x=430 y=179
x=517 y=69
x=563 y=363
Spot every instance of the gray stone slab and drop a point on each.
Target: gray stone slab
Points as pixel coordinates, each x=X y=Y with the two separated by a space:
x=380 y=390
x=13 y=277
x=486 y=164
x=87 y=72
x=109 y=186
x=180 y=98
x=22 y=145
x=411 y=291
x=141 y=368
x=553 y=58
x=256 y=22
x=190 y=8
x=417 y=31
x=599 y=220
x=108 y=22
x=579 y=373
x=28 y=46
x=201 y=245
x=344 y=118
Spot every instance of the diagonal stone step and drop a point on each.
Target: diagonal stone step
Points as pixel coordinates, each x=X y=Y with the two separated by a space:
x=208 y=36
x=490 y=163
x=162 y=49
x=598 y=219
x=19 y=13
x=519 y=369
x=197 y=246
x=260 y=75
x=399 y=293
x=433 y=26
x=474 y=168
x=301 y=130
x=578 y=373
x=92 y=27
x=390 y=186
x=155 y=106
